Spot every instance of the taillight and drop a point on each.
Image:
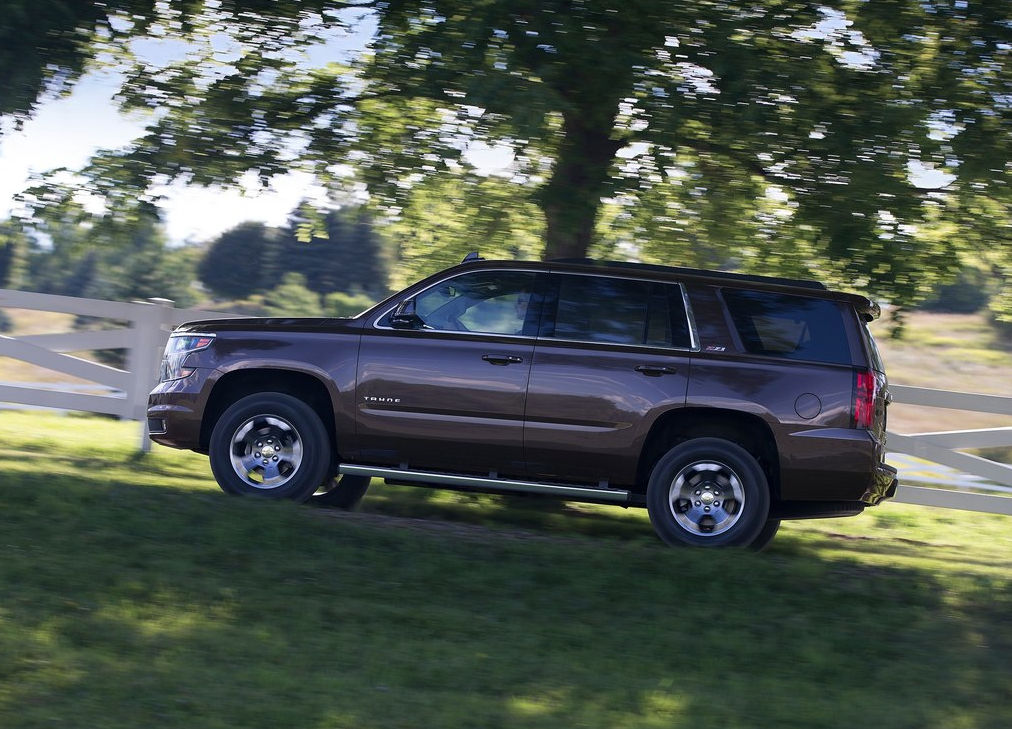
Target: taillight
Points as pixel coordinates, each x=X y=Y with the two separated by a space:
x=864 y=399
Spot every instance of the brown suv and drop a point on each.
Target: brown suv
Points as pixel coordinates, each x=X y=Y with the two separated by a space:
x=722 y=403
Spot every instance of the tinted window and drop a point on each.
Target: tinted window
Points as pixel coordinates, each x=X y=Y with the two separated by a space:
x=794 y=327
x=618 y=311
x=491 y=302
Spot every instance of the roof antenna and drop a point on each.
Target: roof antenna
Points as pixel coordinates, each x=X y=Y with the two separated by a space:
x=472 y=256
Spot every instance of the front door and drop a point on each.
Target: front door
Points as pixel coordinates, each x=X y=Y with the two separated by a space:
x=449 y=393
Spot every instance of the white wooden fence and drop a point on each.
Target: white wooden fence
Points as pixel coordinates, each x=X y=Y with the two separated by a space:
x=944 y=448
x=141 y=328
x=123 y=392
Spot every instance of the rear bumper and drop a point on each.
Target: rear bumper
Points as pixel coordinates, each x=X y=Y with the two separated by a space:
x=835 y=464
x=883 y=485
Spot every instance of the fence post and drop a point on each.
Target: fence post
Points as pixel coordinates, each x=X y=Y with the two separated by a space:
x=149 y=337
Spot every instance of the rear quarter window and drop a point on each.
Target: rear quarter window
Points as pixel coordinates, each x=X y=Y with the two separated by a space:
x=872 y=347
x=788 y=326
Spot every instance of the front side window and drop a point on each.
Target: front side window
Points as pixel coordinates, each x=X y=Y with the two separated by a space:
x=792 y=327
x=488 y=302
x=620 y=311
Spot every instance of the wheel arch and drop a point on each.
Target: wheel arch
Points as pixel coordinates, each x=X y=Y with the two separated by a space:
x=234 y=385
x=745 y=429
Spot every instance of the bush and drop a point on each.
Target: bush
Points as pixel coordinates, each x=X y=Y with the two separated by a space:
x=968 y=294
x=292 y=298
x=342 y=304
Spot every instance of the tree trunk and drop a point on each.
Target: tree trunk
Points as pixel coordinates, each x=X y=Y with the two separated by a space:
x=571 y=199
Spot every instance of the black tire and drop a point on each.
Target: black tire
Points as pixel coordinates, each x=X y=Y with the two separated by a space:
x=342 y=492
x=765 y=536
x=708 y=492
x=270 y=445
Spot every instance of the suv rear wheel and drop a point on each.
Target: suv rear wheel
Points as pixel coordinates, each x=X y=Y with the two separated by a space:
x=341 y=492
x=708 y=492
x=271 y=445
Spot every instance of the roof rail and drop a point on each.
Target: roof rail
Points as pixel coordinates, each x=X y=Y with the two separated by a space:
x=744 y=277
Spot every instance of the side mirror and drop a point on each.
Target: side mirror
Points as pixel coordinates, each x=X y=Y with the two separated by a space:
x=404 y=317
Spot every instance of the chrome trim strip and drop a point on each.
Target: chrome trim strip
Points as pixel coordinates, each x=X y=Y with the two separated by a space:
x=475 y=482
x=691 y=317
x=856 y=434
x=542 y=341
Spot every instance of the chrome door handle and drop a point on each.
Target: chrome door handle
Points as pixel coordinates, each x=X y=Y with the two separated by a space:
x=656 y=370
x=501 y=359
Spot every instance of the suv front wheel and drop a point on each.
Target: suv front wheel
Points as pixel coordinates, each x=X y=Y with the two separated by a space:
x=708 y=492
x=272 y=445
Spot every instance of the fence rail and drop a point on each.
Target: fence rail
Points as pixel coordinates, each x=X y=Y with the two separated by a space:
x=142 y=328
x=945 y=448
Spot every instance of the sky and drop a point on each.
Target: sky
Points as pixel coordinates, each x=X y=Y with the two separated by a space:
x=66 y=132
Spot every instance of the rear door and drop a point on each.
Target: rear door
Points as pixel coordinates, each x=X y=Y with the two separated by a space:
x=612 y=355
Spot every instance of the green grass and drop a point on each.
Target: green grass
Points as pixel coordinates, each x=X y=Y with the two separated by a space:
x=134 y=594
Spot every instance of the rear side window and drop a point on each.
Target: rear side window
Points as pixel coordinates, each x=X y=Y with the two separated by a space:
x=620 y=311
x=792 y=327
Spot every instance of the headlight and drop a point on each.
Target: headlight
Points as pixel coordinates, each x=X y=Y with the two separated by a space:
x=176 y=351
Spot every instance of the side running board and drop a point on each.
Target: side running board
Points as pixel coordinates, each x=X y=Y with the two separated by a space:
x=475 y=483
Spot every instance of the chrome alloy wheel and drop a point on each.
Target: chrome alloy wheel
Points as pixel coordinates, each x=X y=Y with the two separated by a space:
x=266 y=451
x=706 y=498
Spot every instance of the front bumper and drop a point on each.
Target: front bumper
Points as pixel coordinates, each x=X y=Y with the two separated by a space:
x=175 y=408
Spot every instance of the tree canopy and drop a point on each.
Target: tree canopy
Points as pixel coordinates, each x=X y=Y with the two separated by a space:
x=868 y=144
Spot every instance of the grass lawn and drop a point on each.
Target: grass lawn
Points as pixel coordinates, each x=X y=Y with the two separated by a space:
x=134 y=594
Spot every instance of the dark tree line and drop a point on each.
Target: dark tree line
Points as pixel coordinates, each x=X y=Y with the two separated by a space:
x=253 y=258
